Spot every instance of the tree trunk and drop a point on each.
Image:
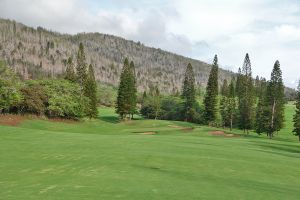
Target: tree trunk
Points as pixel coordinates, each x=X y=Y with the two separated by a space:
x=270 y=135
x=299 y=137
x=231 y=123
x=273 y=113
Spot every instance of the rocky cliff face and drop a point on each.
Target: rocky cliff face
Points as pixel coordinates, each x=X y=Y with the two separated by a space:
x=37 y=53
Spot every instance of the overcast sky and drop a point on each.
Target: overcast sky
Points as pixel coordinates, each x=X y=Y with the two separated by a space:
x=268 y=30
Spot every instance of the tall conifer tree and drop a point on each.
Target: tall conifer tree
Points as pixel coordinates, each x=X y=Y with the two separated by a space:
x=122 y=104
x=81 y=67
x=90 y=88
x=188 y=93
x=132 y=89
x=211 y=96
x=246 y=96
x=260 y=118
x=257 y=84
x=70 y=71
x=231 y=103
x=224 y=103
x=238 y=88
x=274 y=101
x=225 y=88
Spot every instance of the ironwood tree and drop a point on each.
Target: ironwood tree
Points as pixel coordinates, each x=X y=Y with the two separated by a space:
x=188 y=93
x=274 y=102
x=246 y=96
x=211 y=96
x=70 y=70
x=126 y=99
x=81 y=67
x=90 y=91
x=260 y=118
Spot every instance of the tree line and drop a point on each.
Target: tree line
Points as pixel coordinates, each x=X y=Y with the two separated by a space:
x=73 y=97
x=242 y=102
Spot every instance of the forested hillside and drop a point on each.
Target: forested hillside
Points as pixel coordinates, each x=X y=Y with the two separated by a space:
x=37 y=53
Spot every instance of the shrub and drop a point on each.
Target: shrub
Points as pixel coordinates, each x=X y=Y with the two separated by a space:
x=10 y=95
x=55 y=98
x=65 y=99
x=35 y=99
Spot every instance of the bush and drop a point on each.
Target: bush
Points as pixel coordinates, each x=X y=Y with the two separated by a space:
x=10 y=95
x=35 y=100
x=54 y=98
x=65 y=99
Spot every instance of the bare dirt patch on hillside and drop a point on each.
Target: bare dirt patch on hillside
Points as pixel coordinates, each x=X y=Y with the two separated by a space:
x=222 y=134
x=11 y=120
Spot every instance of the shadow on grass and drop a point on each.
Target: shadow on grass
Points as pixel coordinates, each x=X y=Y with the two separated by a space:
x=286 y=148
x=110 y=119
x=114 y=119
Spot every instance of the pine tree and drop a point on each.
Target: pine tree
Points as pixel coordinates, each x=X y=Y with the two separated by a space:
x=296 y=119
x=238 y=88
x=231 y=103
x=70 y=71
x=260 y=121
x=132 y=89
x=81 y=67
x=121 y=104
x=90 y=88
x=224 y=104
x=224 y=110
x=211 y=96
x=274 y=101
x=246 y=97
x=225 y=89
x=257 y=85
x=188 y=93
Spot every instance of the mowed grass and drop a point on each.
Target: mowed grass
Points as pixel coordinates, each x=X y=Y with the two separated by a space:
x=106 y=159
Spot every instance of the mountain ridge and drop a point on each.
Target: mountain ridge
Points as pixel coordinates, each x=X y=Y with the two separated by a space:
x=38 y=52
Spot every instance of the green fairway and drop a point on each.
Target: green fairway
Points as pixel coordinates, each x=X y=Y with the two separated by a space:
x=145 y=159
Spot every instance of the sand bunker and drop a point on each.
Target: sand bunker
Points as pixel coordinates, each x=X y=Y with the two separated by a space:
x=222 y=133
x=148 y=133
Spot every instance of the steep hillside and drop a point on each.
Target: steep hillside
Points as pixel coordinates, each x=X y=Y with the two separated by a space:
x=35 y=53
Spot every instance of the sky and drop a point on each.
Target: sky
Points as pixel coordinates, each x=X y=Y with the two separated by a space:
x=268 y=30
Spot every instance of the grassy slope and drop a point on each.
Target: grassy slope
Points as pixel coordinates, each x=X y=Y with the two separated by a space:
x=104 y=159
